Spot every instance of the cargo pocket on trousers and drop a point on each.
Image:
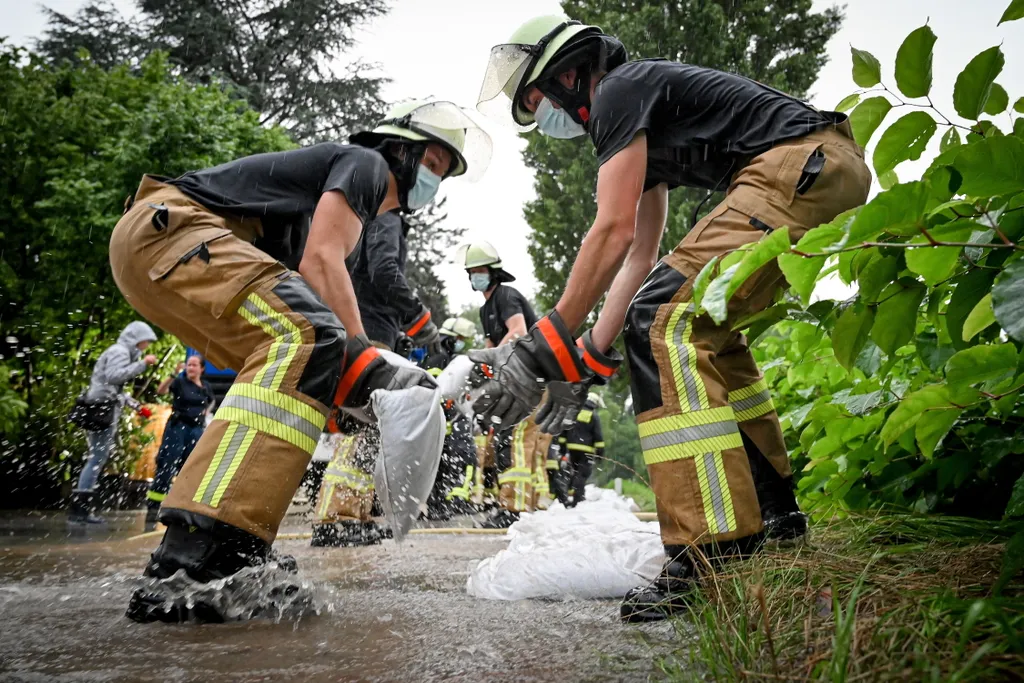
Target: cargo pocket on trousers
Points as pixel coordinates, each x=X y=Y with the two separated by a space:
x=210 y=268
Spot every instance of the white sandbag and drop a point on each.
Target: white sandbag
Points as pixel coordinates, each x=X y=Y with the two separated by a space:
x=454 y=379
x=599 y=549
x=412 y=426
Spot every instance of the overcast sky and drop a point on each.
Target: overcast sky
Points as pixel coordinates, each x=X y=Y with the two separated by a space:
x=439 y=48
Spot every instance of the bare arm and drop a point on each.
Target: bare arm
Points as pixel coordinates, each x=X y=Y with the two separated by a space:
x=164 y=386
x=333 y=235
x=620 y=182
x=516 y=325
x=641 y=259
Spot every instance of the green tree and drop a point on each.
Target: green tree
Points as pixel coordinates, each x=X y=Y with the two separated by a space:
x=781 y=44
x=76 y=140
x=279 y=55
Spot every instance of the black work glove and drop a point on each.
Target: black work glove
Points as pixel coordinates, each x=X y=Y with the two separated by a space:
x=564 y=401
x=422 y=330
x=522 y=369
x=364 y=371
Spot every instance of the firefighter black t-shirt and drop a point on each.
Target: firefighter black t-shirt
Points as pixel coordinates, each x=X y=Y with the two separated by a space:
x=282 y=190
x=504 y=303
x=702 y=125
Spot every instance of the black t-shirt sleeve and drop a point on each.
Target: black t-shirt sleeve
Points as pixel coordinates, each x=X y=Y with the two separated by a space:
x=362 y=176
x=176 y=387
x=622 y=108
x=508 y=302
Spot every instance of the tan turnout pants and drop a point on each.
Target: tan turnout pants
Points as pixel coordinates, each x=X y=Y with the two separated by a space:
x=196 y=274
x=695 y=384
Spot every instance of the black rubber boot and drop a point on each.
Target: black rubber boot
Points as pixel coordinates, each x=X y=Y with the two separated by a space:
x=204 y=556
x=80 y=510
x=668 y=595
x=345 y=534
x=502 y=519
x=776 y=497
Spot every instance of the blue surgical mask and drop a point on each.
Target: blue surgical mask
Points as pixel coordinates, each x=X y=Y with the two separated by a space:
x=481 y=281
x=556 y=123
x=424 y=189
x=459 y=345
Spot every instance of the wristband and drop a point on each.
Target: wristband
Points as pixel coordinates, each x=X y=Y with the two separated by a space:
x=603 y=365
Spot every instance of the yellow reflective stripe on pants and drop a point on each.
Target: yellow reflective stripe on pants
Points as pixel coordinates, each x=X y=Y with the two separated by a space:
x=714 y=492
x=154 y=496
x=251 y=409
x=519 y=465
x=465 y=490
x=581 y=448
x=683 y=357
x=230 y=452
x=688 y=435
x=355 y=479
x=287 y=339
x=752 y=401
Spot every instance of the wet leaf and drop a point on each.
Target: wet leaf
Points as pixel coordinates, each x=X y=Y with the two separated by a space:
x=914 y=63
x=897 y=314
x=1008 y=299
x=981 y=363
x=867 y=72
x=876 y=275
x=848 y=102
x=932 y=426
x=801 y=273
x=950 y=140
x=910 y=410
x=979 y=319
x=904 y=140
x=992 y=167
x=1014 y=11
x=898 y=211
x=866 y=118
x=851 y=334
x=974 y=83
x=997 y=101
x=700 y=283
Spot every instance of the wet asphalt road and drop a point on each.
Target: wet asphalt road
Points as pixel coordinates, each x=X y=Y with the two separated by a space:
x=387 y=613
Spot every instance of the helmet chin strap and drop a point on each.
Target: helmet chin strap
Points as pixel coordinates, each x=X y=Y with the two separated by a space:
x=575 y=100
x=403 y=166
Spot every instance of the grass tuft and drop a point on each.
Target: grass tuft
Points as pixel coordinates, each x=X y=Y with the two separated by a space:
x=894 y=597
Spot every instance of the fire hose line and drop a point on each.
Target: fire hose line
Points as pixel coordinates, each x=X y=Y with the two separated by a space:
x=305 y=535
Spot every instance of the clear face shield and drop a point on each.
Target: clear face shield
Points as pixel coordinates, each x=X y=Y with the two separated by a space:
x=452 y=124
x=506 y=69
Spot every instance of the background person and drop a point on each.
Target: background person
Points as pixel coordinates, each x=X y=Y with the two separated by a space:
x=193 y=398
x=120 y=363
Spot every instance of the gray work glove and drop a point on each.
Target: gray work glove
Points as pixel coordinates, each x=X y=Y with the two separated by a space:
x=422 y=330
x=561 y=406
x=506 y=389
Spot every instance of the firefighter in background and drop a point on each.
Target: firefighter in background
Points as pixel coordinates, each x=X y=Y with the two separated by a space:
x=391 y=312
x=485 y=479
x=580 y=445
x=506 y=315
x=456 y=472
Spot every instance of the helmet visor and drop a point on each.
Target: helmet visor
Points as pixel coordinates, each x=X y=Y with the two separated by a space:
x=452 y=124
x=506 y=69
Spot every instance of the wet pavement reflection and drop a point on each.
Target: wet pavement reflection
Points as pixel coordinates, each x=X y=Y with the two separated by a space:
x=393 y=612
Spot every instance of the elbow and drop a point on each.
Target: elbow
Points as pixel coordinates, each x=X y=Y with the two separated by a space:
x=619 y=233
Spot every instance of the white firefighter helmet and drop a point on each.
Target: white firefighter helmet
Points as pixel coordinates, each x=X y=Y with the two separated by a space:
x=458 y=327
x=435 y=121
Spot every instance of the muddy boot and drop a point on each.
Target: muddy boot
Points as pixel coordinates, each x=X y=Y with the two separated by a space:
x=80 y=510
x=344 y=534
x=668 y=595
x=502 y=519
x=204 y=556
x=780 y=513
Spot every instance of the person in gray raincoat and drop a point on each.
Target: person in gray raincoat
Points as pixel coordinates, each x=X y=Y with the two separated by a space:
x=120 y=363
